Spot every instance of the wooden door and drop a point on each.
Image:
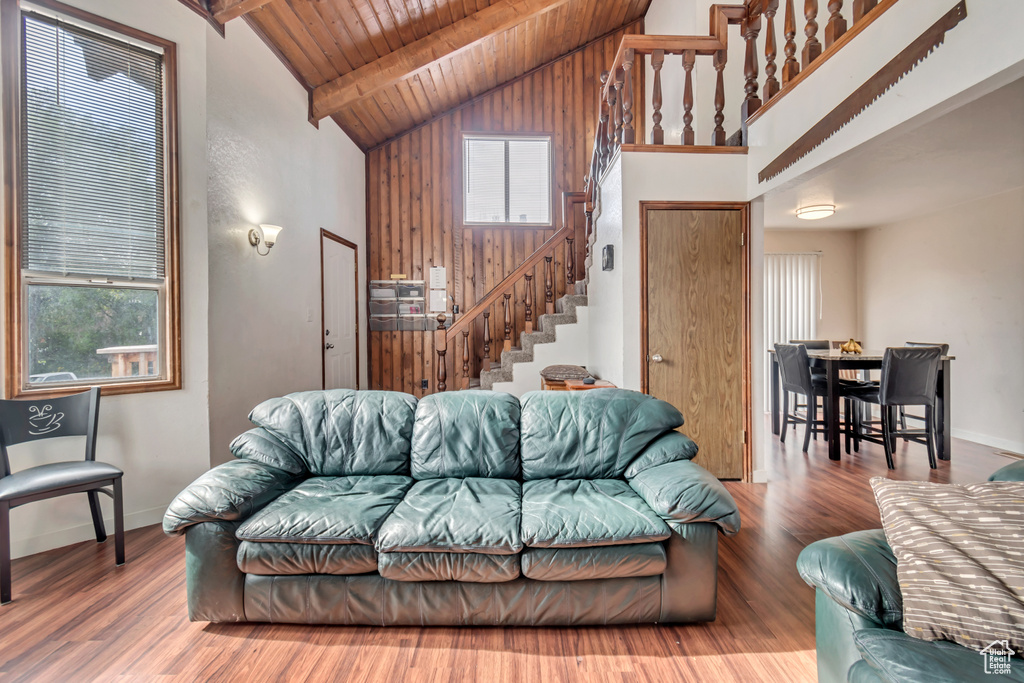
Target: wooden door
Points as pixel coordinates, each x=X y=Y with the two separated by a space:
x=338 y=278
x=696 y=312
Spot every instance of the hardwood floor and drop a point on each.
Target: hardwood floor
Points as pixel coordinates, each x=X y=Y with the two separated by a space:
x=77 y=617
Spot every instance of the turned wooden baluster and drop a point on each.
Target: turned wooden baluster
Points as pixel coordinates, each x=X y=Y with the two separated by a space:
x=549 y=286
x=771 y=84
x=441 y=345
x=465 y=359
x=529 y=303
x=628 y=134
x=570 y=265
x=689 y=57
x=618 y=106
x=791 y=67
x=718 y=135
x=603 y=137
x=812 y=48
x=486 y=362
x=836 y=25
x=609 y=148
x=508 y=324
x=751 y=102
x=862 y=7
x=657 y=132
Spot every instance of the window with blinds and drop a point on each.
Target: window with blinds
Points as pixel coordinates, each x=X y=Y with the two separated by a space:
x=507 y=180
x=97 y=296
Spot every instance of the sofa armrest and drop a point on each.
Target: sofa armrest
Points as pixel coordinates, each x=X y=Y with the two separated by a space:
x=1012 y=472
x=229 y=492
x=683 y=492
x=858 y=571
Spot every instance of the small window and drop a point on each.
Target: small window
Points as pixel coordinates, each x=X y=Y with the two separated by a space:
x=94 y=221
x=507 y=180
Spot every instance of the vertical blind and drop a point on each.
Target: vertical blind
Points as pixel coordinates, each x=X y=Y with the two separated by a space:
x=792 y=300
x=92 y=185
x=507 y=180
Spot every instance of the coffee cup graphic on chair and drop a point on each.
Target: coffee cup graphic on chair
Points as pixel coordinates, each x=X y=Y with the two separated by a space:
x=44 y=420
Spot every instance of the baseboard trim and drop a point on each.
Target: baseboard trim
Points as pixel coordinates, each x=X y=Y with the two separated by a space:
x=21 y=547
x=760 y=477
x=1016 y=447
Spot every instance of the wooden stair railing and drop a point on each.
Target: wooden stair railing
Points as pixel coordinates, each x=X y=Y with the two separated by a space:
x=502 y=291
x=616 y=97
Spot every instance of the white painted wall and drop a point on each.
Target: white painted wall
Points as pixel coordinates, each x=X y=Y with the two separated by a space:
x=956 y=276
x=267 y=164
x=570 y=347
x=839 y=290
x=159 y=439
x=605 y=291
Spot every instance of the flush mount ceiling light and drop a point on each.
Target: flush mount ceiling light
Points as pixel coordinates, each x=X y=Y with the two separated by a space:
x=813 y=213
x=265 y=234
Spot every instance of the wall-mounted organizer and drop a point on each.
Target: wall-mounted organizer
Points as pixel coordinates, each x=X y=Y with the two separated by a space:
x=399 y=305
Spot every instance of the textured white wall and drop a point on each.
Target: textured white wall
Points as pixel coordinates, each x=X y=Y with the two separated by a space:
x=269 y=165
x=956 y=276
x=159 y=439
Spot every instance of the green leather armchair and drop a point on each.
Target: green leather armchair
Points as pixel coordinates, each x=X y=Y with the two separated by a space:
x=858 y=612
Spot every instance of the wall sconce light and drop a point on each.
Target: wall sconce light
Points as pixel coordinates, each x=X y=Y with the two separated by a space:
x=266 y=234
x=813 y=213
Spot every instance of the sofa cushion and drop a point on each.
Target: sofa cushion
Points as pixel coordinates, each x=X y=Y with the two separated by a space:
x=683 y=492
x=466 y=434
x=455 y=515
x=589 y=434
x=343 y=432
x=581 y=513
x=468 y=567
x=606 y=562
x=281 y=559
x=669 y=447
x=327 y=510
x=897 y=658
x=260 y=445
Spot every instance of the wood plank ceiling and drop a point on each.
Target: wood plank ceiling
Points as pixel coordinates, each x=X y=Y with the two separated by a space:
x=442 y=52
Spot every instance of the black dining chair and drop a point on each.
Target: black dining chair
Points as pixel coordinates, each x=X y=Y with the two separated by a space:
x=909 y=378
x=24 y=421
x=816 y=373
x=795 y=374
x=903 y=411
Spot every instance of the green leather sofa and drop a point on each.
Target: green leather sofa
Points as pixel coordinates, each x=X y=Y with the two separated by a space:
x=463 y=508
x=858 y=615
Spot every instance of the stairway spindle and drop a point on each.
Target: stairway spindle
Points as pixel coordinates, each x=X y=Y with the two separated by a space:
x=619 y=79
x=465 y=359
x=718 y=135
x=862 y=7
x=791 y=67
x=751 y=102
x=601 y=154
x=657 y=132
x=549 y=285
x=812 y=48
x=570 y=265
x=836 y=25
x=628 y=134
x=771 y=84
x=508 y=324
x=441 y=346
x=689 y=57
x=609 y=149
x=486 y=362
x=528 y=326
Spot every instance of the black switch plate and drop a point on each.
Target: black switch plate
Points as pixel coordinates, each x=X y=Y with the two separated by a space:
x=424 y=384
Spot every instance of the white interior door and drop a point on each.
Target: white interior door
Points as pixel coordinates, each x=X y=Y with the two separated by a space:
x=340 y=338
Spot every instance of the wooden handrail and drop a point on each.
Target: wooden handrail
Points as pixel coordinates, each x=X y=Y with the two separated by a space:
x=469 y=316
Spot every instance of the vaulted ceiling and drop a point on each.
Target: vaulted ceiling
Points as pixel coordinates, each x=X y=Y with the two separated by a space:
x=382 y=67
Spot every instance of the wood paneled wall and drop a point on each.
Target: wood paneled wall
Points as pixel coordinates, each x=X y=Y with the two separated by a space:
x=414 y=207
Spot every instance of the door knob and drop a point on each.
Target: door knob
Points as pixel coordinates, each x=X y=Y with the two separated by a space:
x=657 y=358
x=329 y=346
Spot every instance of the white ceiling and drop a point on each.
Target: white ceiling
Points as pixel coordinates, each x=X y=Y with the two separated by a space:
x=972 y=152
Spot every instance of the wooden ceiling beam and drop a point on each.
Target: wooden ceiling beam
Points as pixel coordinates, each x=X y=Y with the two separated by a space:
x=450 y=41
x=226 y=10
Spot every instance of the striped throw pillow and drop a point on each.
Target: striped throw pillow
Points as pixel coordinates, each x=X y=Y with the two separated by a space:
x=959 y=559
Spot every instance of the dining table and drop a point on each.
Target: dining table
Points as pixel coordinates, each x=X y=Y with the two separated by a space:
x=832 y=361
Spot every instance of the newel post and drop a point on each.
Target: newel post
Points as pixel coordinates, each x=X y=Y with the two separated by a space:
x=441 y=346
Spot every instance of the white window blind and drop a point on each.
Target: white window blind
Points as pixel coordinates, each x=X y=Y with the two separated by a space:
x=792 y=300
x=507 y=180
x=92 y=195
